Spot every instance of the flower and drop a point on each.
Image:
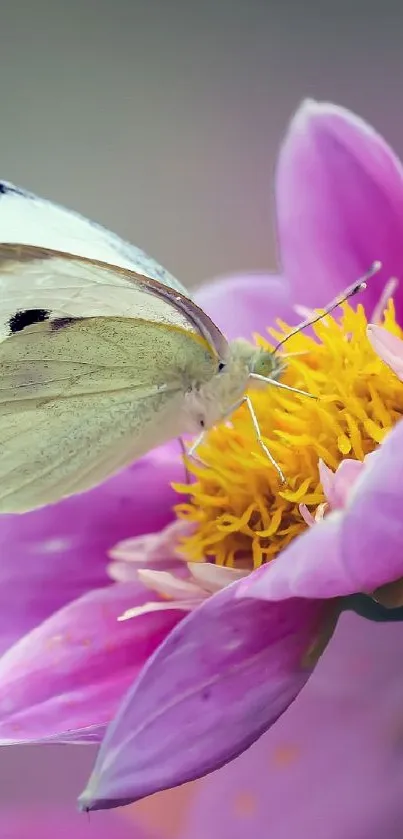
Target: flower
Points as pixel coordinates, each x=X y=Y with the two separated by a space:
x=235 y=663
x=230 y=666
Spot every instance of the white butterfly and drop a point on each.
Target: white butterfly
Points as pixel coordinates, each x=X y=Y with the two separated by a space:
x=103 y=355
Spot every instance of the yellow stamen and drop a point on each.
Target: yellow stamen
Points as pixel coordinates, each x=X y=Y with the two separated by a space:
x=242 y=514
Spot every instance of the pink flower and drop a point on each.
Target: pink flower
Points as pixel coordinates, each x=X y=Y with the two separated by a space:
x=228 y=669
x=231 y=668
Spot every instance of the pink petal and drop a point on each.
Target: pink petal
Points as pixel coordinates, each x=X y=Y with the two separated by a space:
x=339 y=204
x=388 y=347
x=214 y=577
x=122 y=572
x=65 y=679
x=372 y=534
x=327 y=480
x=153 y=550
x=311 y=566
x=216 y=684
x=246 y=303
x=338 y=485
x=306 y=515
x=357 y=550
x=331 y=767
x=54 y=555
x=159 y=606
x=168 y=585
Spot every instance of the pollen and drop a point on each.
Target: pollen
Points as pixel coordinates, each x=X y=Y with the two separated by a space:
x=242 y=515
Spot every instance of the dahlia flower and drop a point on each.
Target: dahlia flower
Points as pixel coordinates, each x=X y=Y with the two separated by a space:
x=214 y=625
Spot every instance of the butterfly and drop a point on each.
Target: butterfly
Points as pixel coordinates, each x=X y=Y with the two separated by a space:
x=103 y=355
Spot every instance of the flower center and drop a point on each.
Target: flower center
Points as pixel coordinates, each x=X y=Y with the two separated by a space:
x=242 y=515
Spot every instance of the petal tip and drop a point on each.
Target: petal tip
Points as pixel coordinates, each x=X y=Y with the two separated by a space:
x=311 y=112
x=85 y=802
x=89 y=801
x=375 y=330
x=310 y=108
x=98 y=795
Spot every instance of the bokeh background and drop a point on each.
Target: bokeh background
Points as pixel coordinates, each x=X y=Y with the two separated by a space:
x=161 y=119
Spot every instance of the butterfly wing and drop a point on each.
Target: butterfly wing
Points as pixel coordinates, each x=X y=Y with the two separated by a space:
x=68 y=417
x=34 y=221
x=56 y=284
x=81 y=398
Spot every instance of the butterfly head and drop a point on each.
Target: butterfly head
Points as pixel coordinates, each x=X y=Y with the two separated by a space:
x=214 y=400
x=267 y=364
x=252 y=361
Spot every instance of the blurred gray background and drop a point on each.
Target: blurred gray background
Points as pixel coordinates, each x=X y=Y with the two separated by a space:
x=162 y=119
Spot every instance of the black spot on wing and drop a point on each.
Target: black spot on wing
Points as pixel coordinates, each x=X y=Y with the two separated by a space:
x=27 y=317
x=62 y=323
x=9 y=189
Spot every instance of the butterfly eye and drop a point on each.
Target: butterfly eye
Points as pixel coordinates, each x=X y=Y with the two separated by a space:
x=265 y=363
x=221 y=366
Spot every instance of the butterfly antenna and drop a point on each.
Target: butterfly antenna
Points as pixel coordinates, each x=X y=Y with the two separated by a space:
x=349 y=292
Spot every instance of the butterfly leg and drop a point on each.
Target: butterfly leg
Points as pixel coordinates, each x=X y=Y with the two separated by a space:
x=244 y=401
x=273 y=461
x=199 y=439
x=275 y=383
x=184 y=453
x=196 y=443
